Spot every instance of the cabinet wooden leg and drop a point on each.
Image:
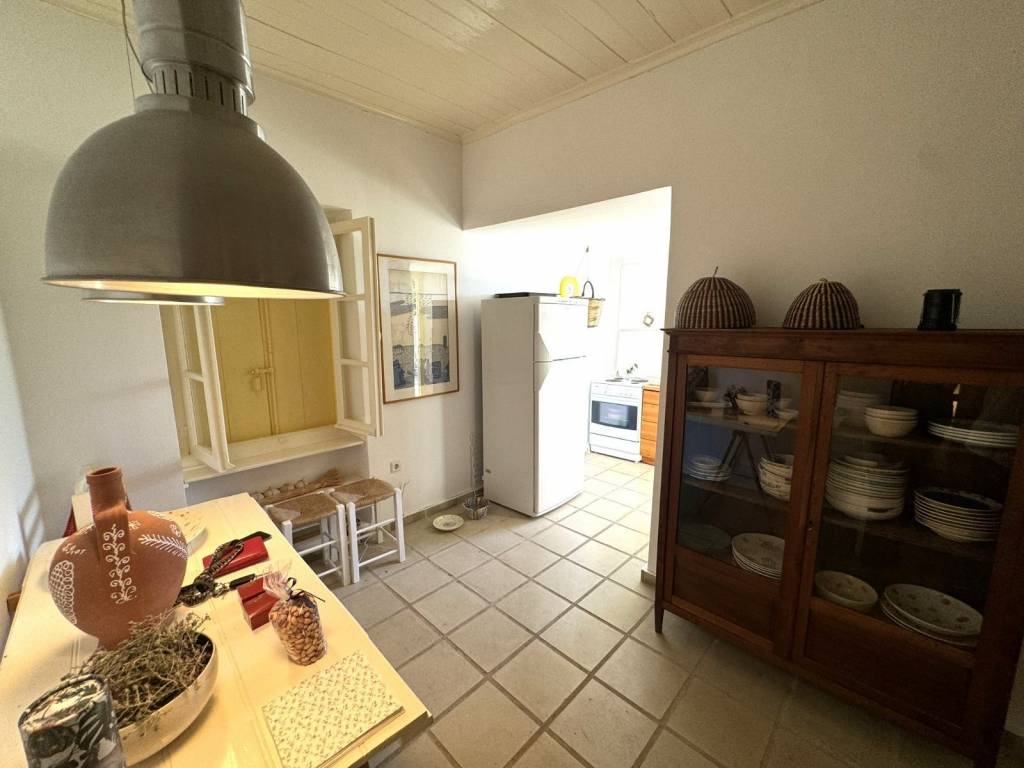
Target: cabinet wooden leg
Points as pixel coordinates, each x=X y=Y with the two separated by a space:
x=659 y=617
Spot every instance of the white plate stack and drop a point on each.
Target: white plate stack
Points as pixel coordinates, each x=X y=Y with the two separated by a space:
x=759 y=553
x=957 y=515
x=776 y=475
x=890 y=420
x=986 y=434
x=932 y=613
x=866 y=486
x=854 y=404
x=710 y=468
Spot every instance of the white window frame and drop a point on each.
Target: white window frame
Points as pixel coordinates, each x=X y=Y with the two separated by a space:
x=221 y=457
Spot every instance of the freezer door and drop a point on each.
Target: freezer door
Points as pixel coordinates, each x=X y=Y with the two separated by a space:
x=561 y=329
x=561 y=430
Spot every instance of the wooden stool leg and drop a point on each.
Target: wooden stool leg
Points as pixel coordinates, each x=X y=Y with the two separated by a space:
x=353 y=542
x=399 y=525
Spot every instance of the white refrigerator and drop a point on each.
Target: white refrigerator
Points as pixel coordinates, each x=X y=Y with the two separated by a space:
x=534 y=400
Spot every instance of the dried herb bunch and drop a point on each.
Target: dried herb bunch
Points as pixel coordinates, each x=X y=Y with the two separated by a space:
x=159 y=660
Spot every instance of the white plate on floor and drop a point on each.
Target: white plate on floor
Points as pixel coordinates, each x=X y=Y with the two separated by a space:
x=448 y=523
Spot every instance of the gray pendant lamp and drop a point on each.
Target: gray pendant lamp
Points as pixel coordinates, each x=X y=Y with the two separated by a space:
x=158 y=299
x=184 y=197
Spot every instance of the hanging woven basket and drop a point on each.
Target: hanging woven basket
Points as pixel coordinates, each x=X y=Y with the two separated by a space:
x=594 y=306
x=715 y=302
x=823 y=306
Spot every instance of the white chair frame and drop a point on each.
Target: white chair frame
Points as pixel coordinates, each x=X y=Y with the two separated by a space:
x=376 y=528
x=332 y=540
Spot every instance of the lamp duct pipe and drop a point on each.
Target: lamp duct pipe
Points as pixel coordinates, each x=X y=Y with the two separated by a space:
x=184 y=197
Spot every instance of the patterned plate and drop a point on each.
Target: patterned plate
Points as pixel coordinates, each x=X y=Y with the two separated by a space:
x=845 y=590
x=448 y=522
x=761 y=549
x=933 y=610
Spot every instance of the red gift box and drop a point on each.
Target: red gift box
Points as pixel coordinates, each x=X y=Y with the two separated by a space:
x=257 y=609
x=253 y=589
x=254 y=551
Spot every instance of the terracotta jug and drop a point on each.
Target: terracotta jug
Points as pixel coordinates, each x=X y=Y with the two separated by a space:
x=123 y=567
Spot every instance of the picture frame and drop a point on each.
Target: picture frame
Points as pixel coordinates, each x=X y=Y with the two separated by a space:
x=419 y=322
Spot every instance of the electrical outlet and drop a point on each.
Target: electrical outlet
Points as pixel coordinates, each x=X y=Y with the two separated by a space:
x=395 y=466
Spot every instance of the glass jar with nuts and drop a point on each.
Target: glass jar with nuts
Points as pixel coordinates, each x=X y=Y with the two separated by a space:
x=296 y=620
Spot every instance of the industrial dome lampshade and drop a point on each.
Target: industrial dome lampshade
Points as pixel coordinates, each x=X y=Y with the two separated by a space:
x=158 y=299
x=184 y=197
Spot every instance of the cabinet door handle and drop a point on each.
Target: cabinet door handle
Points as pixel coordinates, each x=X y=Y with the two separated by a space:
x=257 y=375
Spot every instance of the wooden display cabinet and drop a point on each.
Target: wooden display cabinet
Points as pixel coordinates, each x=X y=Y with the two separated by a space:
x=952 y=687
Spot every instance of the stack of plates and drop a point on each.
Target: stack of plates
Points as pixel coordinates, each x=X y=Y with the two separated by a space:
x=854 y=404
x=776 y=475
x=932 y=613
x=846 y=590
x=890 y=420
x=957 y=515
x=759 y=553
x=987 y=434
x=703 y=538
x=866 y=486
x=709 y=468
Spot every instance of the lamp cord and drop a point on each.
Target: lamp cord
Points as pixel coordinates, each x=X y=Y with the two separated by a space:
x=129 y=46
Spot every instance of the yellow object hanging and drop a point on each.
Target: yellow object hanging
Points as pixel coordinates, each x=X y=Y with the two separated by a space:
x=569 y=287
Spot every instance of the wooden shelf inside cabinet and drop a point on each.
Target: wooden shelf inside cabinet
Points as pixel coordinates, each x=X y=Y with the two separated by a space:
x=755 y=425
x=924 y=440
x=908 y=532
x=875 y=623
x=749 y=495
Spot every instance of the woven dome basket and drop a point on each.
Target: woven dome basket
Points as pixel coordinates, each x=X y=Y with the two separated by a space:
x=715 y=302
x=823 y=306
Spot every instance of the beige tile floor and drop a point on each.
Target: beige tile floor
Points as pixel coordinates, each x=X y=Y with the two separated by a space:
x=532 y=642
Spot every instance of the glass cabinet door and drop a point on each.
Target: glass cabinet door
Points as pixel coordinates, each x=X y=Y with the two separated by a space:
x=740 y=440
x=916 y=478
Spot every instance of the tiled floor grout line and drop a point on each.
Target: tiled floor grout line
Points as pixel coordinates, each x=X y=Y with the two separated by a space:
x=488 y=676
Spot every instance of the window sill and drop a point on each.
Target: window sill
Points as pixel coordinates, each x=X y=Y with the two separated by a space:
x=194 y=471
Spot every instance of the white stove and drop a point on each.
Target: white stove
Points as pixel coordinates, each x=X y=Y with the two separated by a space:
x=615 y=406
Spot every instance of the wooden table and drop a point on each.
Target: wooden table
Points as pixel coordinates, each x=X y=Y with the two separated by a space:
x=43 y=646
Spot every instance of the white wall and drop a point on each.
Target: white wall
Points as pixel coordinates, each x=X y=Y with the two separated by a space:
x=20 y=525
x=590 y=242
x=93 y=378
x=874 y=142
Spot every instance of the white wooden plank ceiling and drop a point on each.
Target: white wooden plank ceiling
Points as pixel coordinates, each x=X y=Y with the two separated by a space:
x=463 y=69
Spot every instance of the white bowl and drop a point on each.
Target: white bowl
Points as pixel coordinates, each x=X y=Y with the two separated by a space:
x=752 y=408
x=889 y=427
x=891 y=412
x=845 y=590
x=706 y=394
x=145 y=739
x=752 y=396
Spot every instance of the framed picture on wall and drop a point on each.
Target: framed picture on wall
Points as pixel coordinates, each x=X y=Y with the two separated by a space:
x=419 y=321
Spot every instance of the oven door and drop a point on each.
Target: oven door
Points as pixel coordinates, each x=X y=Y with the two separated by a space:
x=615 y=417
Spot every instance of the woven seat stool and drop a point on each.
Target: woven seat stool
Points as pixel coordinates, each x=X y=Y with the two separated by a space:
x=366 y=495
x=317 y=508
